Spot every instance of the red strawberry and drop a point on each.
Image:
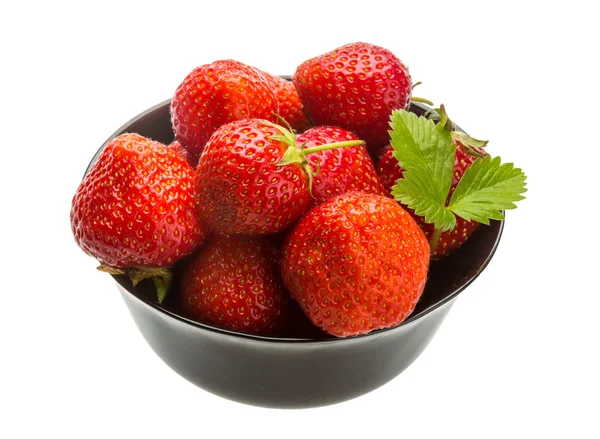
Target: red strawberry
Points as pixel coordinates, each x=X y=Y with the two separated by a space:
x=233 y=283
x=136 y=210
x=355 y=87
x=356 y=263
x=215 y=94
x=341 y=169
x=240 y=185
x=252 y=179
x=290 y=107
x=189 y=157
x=389 y=172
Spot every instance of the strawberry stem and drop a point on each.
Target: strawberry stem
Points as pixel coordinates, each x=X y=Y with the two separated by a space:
x=328 y=146
x=437 y=232
x=423 y=100
x=445 y=120
x=298 y=155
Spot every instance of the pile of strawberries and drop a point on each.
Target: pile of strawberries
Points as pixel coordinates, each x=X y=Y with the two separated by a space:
x=274 y=194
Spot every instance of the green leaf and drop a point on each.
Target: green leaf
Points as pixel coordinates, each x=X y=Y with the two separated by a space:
x=414 y=191
x=426 y=153
x=486 y=188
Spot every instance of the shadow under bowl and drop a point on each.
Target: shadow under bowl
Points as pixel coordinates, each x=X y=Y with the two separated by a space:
x=293 y=372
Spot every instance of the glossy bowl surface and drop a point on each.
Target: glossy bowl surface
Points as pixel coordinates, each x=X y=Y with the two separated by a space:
x=295 y=373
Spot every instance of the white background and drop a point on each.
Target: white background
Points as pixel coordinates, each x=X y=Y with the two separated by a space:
x=517 y=355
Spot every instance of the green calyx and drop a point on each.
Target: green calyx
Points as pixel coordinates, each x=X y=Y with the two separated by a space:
x=295 y=154
x=471 y=144
x=162 y=277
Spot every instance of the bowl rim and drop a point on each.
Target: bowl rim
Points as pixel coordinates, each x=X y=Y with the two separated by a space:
x=412 y=319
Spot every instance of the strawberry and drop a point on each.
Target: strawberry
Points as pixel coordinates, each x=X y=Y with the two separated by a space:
x=390 y=171
x=234 y=283
x=136 y=210
x=215 y=94
x=290 y=106
x=240 y=185
x=356 y=263
x=252 y=179
x=338 y=170
x=189 y=157
x=355 y=87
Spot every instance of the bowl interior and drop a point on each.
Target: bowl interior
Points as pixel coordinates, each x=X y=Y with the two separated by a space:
x=446 y=279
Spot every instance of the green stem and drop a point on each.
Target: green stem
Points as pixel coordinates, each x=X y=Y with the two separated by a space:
x=423 y=100
x=445 y=120
x=328 y=146
x=437 y=232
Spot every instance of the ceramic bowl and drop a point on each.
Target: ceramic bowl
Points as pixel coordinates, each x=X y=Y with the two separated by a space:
x=295 y=372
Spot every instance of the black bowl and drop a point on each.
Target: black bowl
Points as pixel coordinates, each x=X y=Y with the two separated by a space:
x=293 y=372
